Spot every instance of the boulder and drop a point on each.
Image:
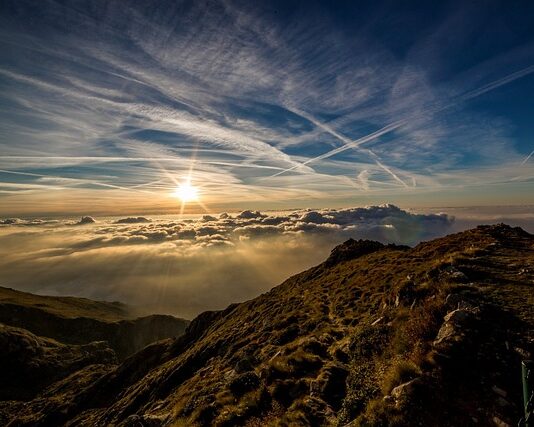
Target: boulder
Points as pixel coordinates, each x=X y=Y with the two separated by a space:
x=454 y=327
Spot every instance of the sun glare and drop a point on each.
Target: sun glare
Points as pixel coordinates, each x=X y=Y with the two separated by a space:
x=186 y=192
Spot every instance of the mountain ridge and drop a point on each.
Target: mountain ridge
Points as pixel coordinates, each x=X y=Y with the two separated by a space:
x=79 y=321
x=381 y=335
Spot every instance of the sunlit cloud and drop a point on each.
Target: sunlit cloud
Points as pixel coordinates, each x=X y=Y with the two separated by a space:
x=187 y=265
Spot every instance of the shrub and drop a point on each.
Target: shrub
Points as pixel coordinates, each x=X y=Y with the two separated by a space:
x=425 y=320
x=369 y=340
x=361 y=387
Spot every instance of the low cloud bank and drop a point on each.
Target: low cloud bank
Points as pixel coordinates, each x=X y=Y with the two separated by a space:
x=184 y=267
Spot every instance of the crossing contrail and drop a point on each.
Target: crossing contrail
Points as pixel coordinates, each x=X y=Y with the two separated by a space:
x=349 y=144
x=528 y=157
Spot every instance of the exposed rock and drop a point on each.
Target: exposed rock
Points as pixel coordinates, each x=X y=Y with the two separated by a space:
x=500 y=423
x=377 y=321
x=352 y=249
x=454 y=327
x=133 y=220
x=452 y=274
x=404 y=389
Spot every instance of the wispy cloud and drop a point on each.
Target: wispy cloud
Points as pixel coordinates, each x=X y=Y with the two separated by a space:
x=123 y=97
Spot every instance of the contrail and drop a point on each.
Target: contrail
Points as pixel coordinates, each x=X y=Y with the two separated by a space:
x=395 y=125
x=104 y=159
x=498 y=83
x=79 y=180
x=387 y=169
x=348 y=144
x=528 y=157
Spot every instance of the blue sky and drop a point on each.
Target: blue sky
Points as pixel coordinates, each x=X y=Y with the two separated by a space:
x=106 y=106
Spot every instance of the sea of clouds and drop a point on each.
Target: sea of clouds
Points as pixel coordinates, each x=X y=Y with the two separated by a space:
x=186 y=266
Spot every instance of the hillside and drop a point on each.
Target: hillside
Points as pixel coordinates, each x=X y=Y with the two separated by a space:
x=376 y=335
x=29 y=363
x=67 y=307
x=80 y=321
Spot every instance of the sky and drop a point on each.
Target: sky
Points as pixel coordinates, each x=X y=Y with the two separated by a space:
x=108 y=106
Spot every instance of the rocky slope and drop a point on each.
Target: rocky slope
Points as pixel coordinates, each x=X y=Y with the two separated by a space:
x=29 y=363
x=81 y=321
x=377 y=335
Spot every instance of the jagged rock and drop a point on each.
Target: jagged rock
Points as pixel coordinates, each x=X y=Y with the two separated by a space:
x=404 y=389
x=86 y=220
x=352 y=249
x=454 y=327
x=452 y=274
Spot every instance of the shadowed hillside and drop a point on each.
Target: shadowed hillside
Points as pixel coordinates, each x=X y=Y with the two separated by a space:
x=376 y=335
x=79 y=321
x=67 y=307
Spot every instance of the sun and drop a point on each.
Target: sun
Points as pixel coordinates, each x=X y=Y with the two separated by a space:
x=186 y=192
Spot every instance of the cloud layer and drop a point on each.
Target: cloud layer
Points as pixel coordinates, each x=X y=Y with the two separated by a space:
x=191 y=265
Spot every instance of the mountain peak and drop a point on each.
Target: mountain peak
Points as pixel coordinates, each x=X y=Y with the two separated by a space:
x=352 y=249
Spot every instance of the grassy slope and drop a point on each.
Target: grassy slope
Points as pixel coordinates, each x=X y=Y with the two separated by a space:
x=73 y=320
x=68 y=307
x=328 y=346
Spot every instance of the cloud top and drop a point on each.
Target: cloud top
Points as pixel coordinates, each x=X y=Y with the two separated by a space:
x=191 y=265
